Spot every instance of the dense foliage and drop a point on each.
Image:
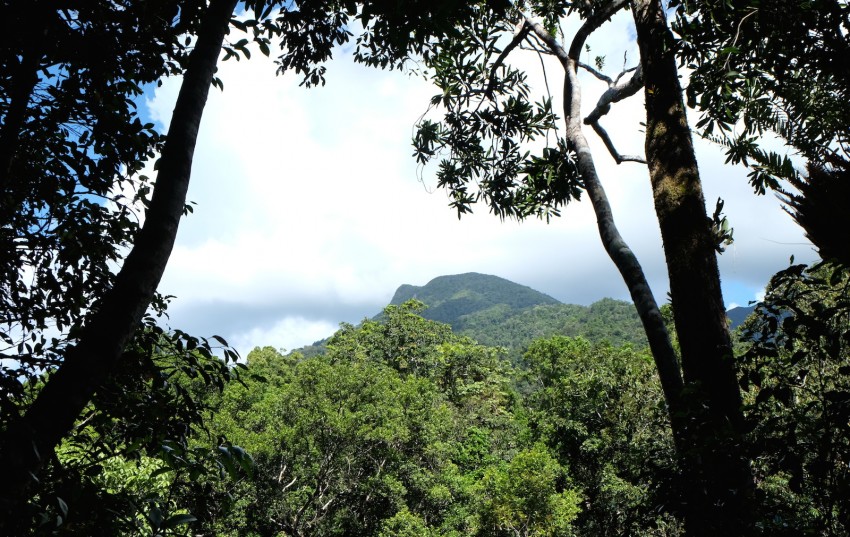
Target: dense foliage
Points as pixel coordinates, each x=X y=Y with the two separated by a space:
x=755 y=77
x=797 y=373
x=753 y=73
x=140 y=440
x=404 y=427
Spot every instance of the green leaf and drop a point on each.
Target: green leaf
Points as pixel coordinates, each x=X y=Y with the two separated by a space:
x=179 y=520
x=155 y=517
x=63 y=507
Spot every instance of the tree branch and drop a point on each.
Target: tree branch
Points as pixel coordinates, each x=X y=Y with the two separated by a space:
x=541 y=33
x=603 y=134
x=592 y=23
x=596 y=73
x=518 y=38
x=618 y=250
x=617 y=91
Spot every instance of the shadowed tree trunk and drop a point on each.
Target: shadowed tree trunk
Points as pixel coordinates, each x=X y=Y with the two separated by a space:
x=24 y=77
x=28 y=443
x=718 y=476
x=23 y=85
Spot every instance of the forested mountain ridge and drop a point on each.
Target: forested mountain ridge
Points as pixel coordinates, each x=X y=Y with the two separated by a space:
x=609 y=320
x=495 y=311
x=449 y=298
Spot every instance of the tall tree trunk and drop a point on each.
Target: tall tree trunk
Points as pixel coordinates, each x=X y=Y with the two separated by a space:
x=42 y=23
x=618 y=250
x=29 y=442
x=718 y=478
x=631 y=271
x=23 y=85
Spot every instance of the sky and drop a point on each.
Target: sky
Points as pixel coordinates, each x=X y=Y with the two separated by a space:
x=310 y=209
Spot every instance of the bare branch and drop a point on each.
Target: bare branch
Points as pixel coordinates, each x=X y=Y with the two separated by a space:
x=536 y=45
x=596 y=73
x=624 y=73
x=614 y=93
x=611 y=149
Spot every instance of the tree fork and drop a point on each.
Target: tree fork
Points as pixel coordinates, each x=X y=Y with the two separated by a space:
x=26 y=444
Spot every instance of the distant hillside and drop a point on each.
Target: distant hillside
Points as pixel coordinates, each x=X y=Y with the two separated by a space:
x=611 y=320
x=449 y=298
x=738 y=315
x=497 y=312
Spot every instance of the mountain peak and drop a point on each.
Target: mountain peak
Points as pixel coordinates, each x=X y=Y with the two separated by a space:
x=450 y=297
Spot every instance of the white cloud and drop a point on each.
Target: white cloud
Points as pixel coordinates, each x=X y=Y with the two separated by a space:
x=287 y=334
x=309 y=211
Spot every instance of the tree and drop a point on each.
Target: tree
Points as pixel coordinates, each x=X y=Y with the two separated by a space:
x=73 y=147
x=97 y=312
x=698 y=311
x=391 y=430
x=28 y=441
x=754 y=74
x=488 y=128
x=337 y=443
x=600 y=410
x=795 y=371
x=523 y=500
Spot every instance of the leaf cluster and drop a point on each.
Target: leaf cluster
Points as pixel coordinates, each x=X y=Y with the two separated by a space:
x=797 y=375
x=390 y=34
x=490 y=127
x=73 y=147
x=752 y=73
x=140 y=440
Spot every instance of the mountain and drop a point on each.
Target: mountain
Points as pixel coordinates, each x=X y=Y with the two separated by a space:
x=449 y=298
x=498 y=312
x=495 y=311
x=738 y=315
x=615 y=321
